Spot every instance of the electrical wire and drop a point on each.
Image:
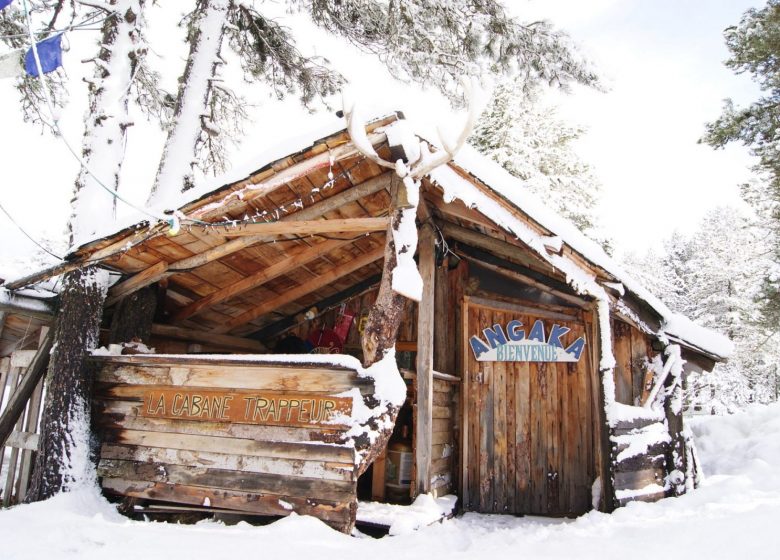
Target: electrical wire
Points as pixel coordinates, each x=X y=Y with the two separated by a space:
x=56 y=126
x=30 y=237
x=81 y=26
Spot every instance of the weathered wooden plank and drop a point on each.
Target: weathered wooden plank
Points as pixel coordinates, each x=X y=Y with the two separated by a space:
x=522 y=439
x=442 y=344
x=237 y=406
x=442 y=437
x=622 y=352
x=124 y=415
x=425 y=327
x=333 y=513
x=266 y=378
x=237 y=446
x=559 y=314
x=500 y=486
x=136 y=282
x=378 y=477
x=208 y=459
x=444 y=399
x=255 y=483
x=650 y=460
x=439 y=412
x=8 y=489
x=635 y=480
x=22 y=358
x=16 y=404
x=192 y=335
x=309 y=227
x=23 y=440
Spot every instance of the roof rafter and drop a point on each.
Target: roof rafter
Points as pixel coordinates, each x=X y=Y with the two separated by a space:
x=267 y=274
x=302 y=290
x=317 y=210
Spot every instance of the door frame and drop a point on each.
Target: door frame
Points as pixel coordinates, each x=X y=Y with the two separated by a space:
x=576 y=314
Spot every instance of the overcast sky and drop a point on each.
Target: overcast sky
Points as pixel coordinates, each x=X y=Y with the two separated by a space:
x=661 y=61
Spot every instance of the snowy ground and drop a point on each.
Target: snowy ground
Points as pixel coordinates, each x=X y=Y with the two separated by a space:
x=736 y=514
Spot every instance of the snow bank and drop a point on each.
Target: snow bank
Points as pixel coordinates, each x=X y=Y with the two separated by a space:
x=402 y=520
x=735 y=514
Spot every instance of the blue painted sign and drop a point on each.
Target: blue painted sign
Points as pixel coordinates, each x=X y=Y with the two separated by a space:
x=511 y=343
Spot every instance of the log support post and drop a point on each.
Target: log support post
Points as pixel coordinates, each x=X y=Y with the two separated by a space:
x=425 y=326
x=63 y=447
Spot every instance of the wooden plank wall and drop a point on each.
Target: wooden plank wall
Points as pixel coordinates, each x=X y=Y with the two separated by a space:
x=255 y=469
x=632 y=351
x=446 y=395
x=634 y=477
x=639 y=477
x=528 y=441
x=17 y=453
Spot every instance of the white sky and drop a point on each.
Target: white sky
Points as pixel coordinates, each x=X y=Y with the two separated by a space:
x=661 y=61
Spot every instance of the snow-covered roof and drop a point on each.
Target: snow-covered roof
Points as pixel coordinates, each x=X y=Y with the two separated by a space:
x=511 y=188
x=457 y=179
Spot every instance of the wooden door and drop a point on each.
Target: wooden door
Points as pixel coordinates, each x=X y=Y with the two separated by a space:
x=528 y=445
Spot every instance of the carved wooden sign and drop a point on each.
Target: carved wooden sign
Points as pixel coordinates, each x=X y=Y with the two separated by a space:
x=246 y=407
x=513 y=344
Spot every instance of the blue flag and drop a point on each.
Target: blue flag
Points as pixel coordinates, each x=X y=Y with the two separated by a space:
x=4 y=3
x=50 y=53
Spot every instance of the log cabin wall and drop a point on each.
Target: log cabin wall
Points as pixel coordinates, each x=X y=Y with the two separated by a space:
x=636 y=476
x=158 y=443
x=633 y=351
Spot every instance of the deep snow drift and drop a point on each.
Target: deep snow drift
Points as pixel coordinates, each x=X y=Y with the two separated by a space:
x=736 y=514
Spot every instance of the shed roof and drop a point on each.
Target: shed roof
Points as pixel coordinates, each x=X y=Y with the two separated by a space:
x=223 y=281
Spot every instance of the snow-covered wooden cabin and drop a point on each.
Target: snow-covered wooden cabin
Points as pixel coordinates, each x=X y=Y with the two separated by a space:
x=540 y=378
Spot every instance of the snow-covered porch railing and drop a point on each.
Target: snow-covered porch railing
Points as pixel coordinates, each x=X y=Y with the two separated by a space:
x=263 y=435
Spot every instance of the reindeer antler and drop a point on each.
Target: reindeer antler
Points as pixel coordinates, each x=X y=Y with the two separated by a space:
x=428 y=162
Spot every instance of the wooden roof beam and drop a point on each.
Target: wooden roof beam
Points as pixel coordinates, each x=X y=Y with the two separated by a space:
x=314 y=211
x=310 y=227
x=270 y=178
x=496 y=246
x=302 y=290
x=260 y=277
x=190 y=335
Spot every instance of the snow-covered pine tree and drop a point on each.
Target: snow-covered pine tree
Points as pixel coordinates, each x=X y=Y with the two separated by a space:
x=419 y=40
x=13 y=33
x=63 y=447
x=714 y=277
x=729 y=257
x=527 y=138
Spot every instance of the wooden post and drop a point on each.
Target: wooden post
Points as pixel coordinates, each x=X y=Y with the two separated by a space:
x=66 y=410
x=425 y=322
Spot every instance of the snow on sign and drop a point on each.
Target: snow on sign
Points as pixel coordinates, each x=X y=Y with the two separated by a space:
x=510 y=343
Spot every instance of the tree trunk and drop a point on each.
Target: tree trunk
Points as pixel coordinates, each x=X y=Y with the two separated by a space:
x=133 y=316
x=381 y=329
x=107 y=120
x=174 y=174
x=63 y=447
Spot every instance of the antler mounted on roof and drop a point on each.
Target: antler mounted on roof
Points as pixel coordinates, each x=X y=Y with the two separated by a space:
x=422 y=161
x=400 y=276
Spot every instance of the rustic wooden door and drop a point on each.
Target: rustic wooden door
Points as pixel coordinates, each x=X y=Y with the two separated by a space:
x=528 y=445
